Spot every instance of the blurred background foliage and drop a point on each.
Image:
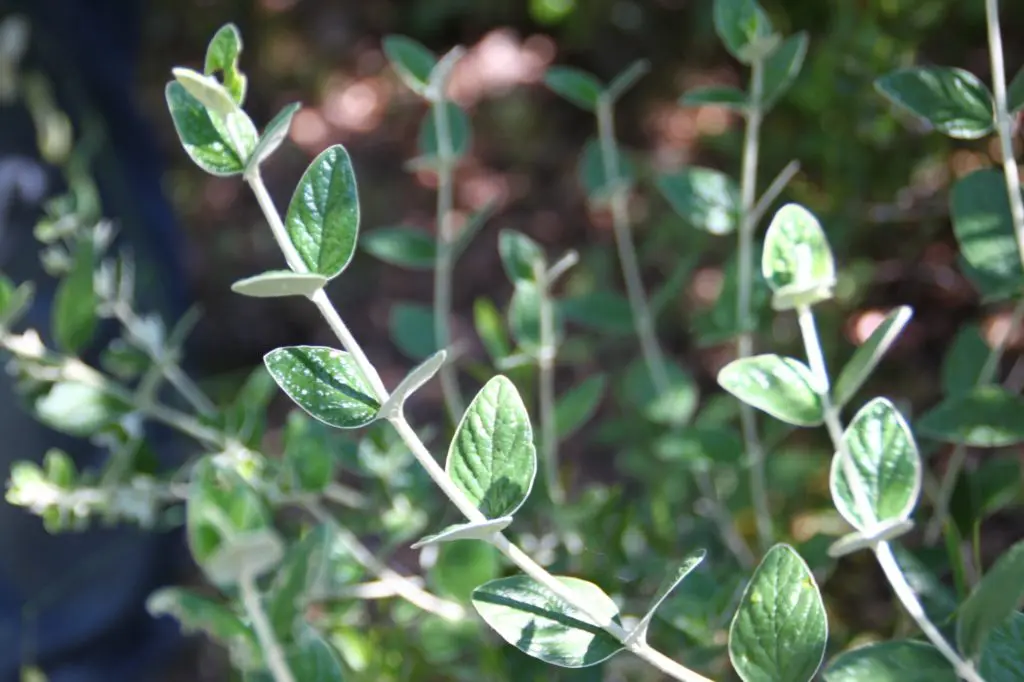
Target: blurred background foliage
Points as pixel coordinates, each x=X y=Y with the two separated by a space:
x=878 y=182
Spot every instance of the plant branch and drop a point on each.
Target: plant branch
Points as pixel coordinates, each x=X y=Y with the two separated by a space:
x=445 y=262
x=466 y=507
x=402 y=586
x=546 y=379
x=745 y=341
x=273 y=654
x=958 y=457
x=865 y=510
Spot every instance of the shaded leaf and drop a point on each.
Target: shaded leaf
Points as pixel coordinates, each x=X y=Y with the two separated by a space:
x=520 y=255
x=577 y=405
x=744 y=28
x=411 y=326
x=1003 y=660
x=492 y=458
x=897 y=661
x=411 y=61
x=685 y=567
x=593 y=177
x=962 y=365
x=402 y=246
x=983 y=226
x=207 y=137
x=324 y=382
x=601 y=311
x=706 y=199
x=869 y=354
x=675 y=404
x=74 y=304
x=783 y=66
x=575 y=85
x=273 y=136
x=954 y=101
x=992 y=602
x=460 y=135
x=491 y=329
x=716 y=95
x=984 y=417
x=537 y=622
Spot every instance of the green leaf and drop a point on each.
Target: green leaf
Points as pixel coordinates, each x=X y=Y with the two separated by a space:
x=274 y=134
x=867 y=356
x=706 y=199
x=207 y=90
x=524 y=315
x=700 y=447
x=207 y=137
x=797 y=261
x=780 y=386
x=420 y=375
x=780 y=629
x=256 y=552
x=278 y=283
x=478 y=530
x=310 y=659
x=954 y=101
x=593 y=177
x=306 y=457
x=888 y=466
x=323 y=217
x=302 y=569
x=744 y=28
x=520 y=255
x=1002 y=660
x=324 y=382
x=716 y=95
x=530 y=617
x=992 y=602
x=74 y=304
x=1015 y=93
x=196 y=613
x=897 y=661
x=983 y=226
x=411 y=326
x=78 y=409
x=993 y=486
x=461 y=566
x=575 y=85
x=578 y=404
x=492 y=458
x=411 y=61
x=675 y=405
x=403 y=246
x=606 y=312
x=222 y=55
x=460 y=136
x=985 y=417
x=783 y=66
x=967 y=355
x=491 y=329
x=683 y=569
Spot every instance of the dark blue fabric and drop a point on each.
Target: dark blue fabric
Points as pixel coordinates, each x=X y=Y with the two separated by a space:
x=74 y=603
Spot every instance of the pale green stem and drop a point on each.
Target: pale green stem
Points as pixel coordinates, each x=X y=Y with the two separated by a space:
x=865 y=510
x=546 y=379
x=444 y=265
x=958 y=457
x=1004 y=121
x=745 y=288
x=402 y=586
x=468 y=509
x=277 y=664
x=643 y=321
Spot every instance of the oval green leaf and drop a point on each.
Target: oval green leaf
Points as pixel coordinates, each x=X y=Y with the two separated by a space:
x=954 y=101
x=797 y=261
x=275 y=133
x=606 y=312
x=196 y=613
x=983 y=226
x=593 y=177
x=675 y=404
x=716 y=95
x=492 y=458
x=783 y=66
x=254 y=553
x=411 y=326
x=411 y=61
x=744 y=28
x=780 y=386
x=984 y=417
x=324 y=382
x=491 y=329
x=578 y=404
x=208 y=137
x=887 y=462
x=992 y=602
x=74 y=316
x=403 y=246
x=899 y=661
x=533 y=619
x=278 y=283
x=520 y=255
x=222 y=55
x=575 y=85
x=460 y=135
x=1002 y=660
x=706 y=199
x=780 y=630
x=869 y=354
x=964 y=361
x=323 y=216
x=479 y=530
